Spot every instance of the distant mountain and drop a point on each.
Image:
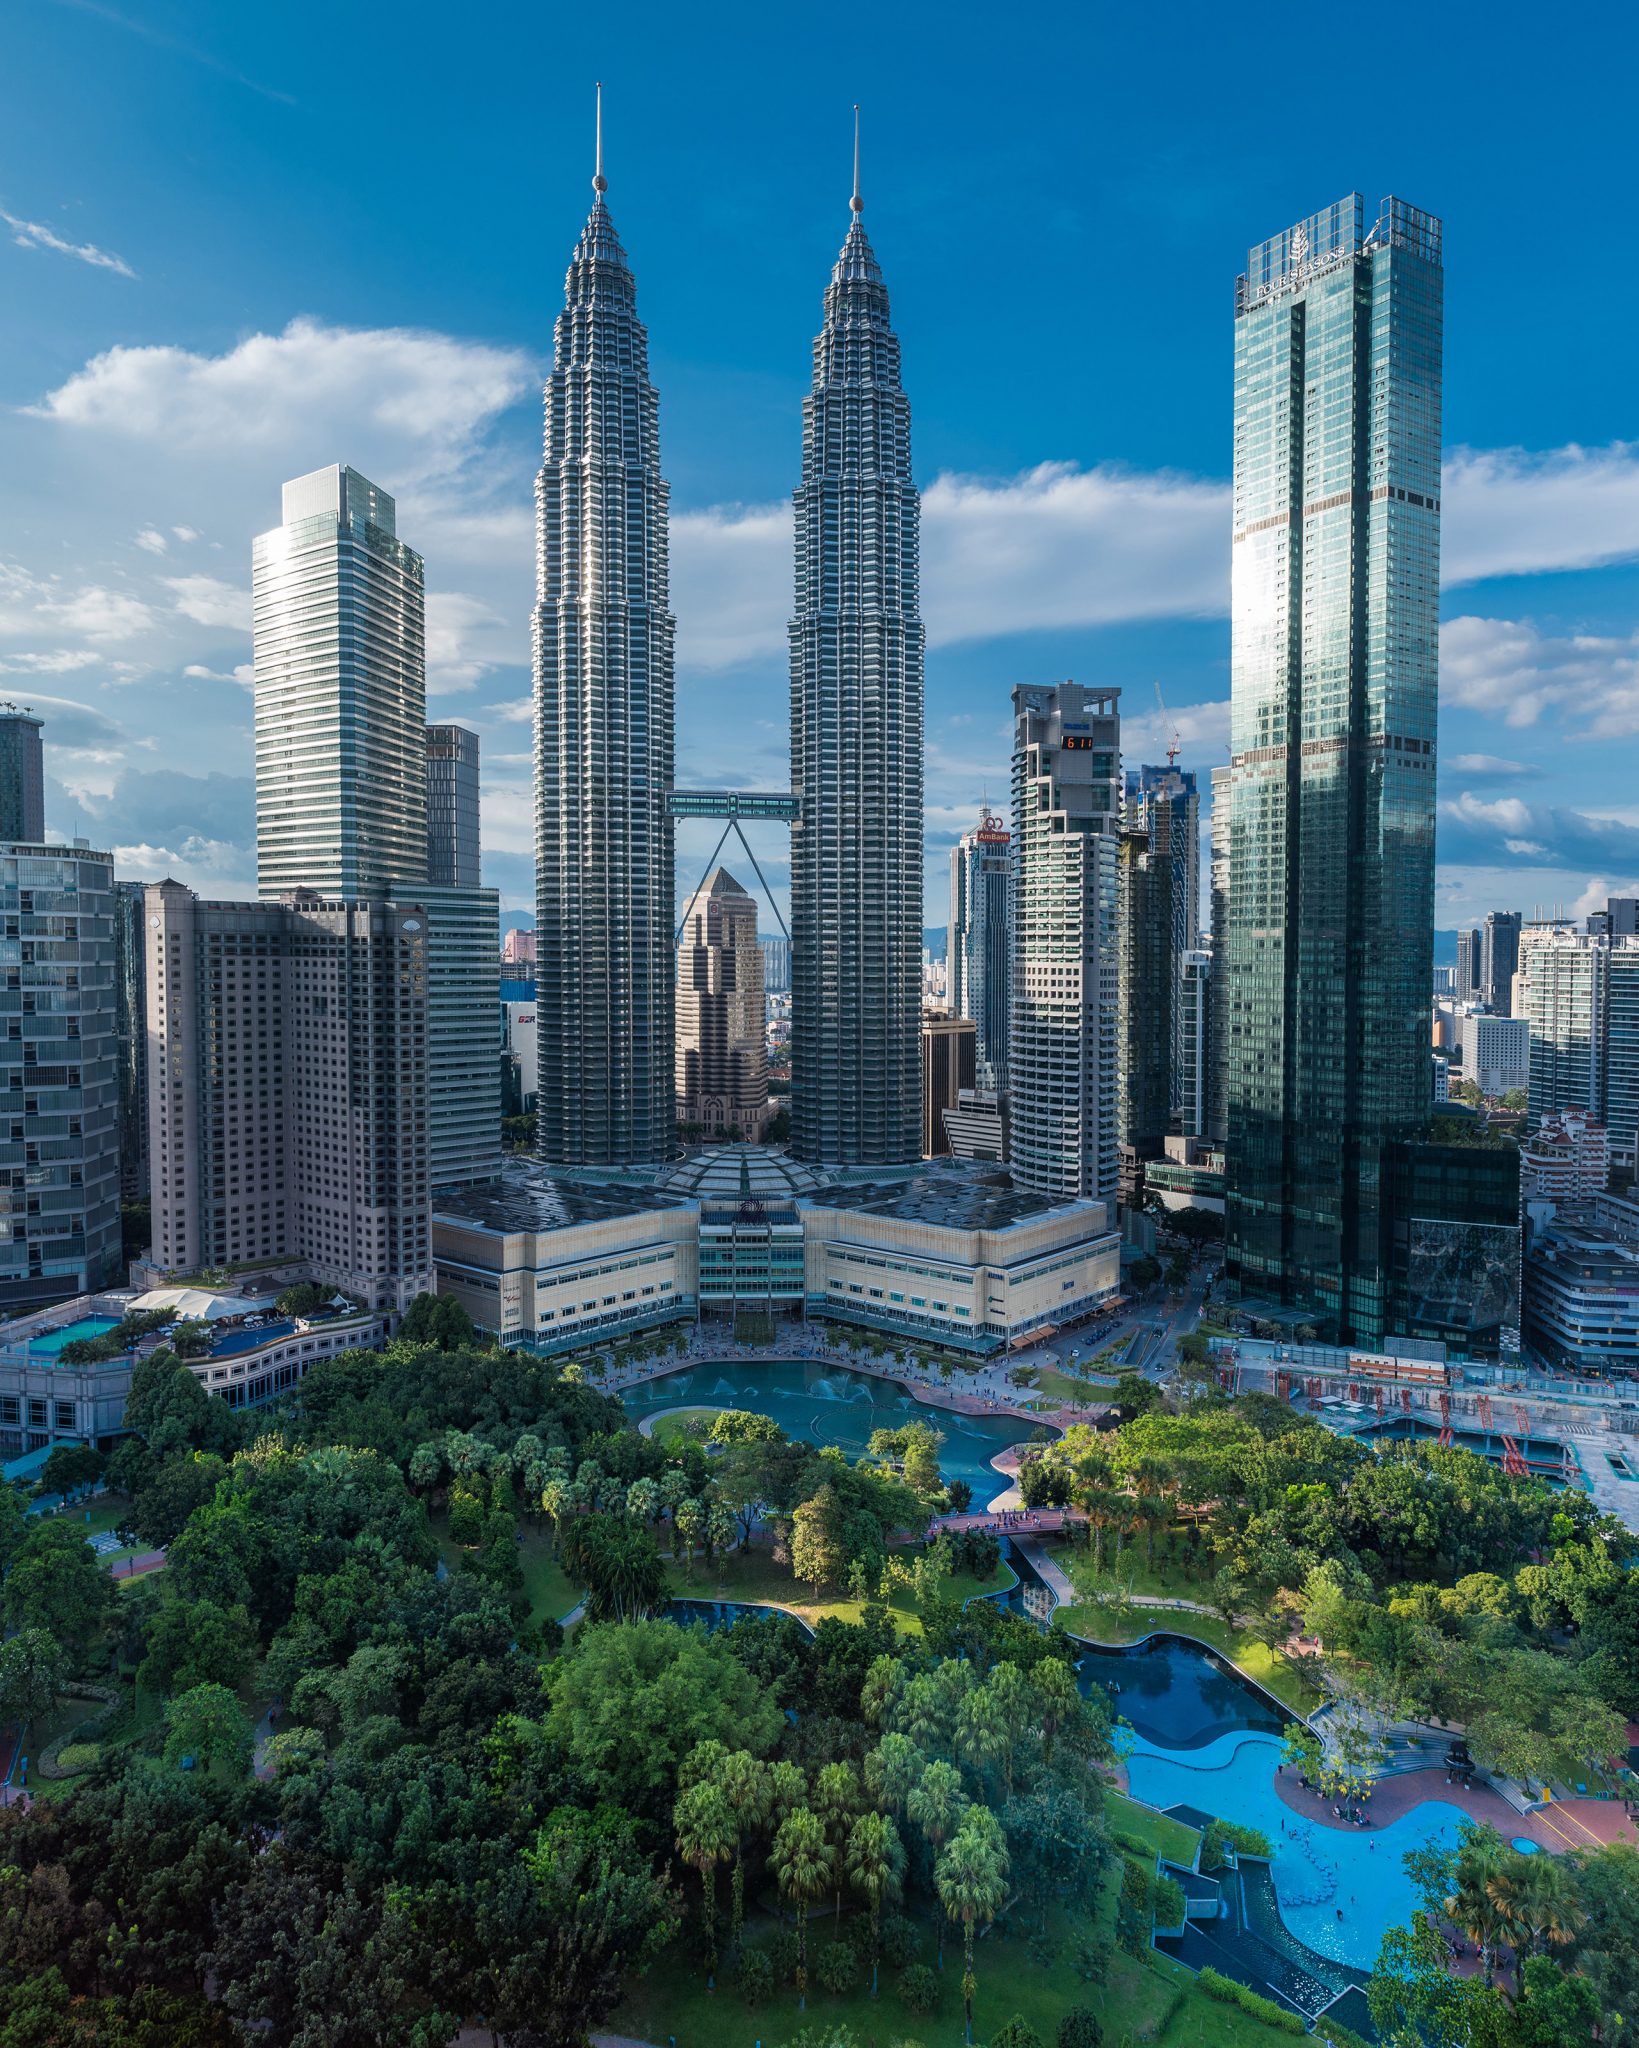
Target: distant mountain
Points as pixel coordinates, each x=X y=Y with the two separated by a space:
x=1445 y=949
x=934 y=938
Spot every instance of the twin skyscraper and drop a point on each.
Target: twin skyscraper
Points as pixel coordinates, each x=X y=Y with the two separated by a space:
x=605 y=734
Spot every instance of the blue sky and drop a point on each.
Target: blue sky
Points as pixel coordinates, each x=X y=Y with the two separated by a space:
x=242 y=242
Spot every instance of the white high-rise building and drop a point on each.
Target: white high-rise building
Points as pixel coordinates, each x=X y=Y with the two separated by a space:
x=1066 y=967
x=1496 y=1051
x=341 y=693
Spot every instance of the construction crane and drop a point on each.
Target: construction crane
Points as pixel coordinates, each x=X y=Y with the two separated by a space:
x=1173 y=749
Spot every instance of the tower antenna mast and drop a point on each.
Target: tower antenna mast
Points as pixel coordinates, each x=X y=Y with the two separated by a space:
x=1173 y=748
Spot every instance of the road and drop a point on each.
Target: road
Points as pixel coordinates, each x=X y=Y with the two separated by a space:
x=1152 y=1328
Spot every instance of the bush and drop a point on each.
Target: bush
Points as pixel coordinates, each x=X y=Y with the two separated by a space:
x=1079 y=2028
x=1091 y=1958
x=919 y=1990
x=782 y=1954
x=1225 y=1837
x=901 y=1941
x=77 y=1756
x=1018 y=2033
x=837 y=1968
x=754 y=1976
x=1169 y=1902
x=1228 y=1992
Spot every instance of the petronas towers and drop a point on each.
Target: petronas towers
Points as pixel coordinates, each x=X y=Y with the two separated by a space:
x=603 y=729
x=604 y=735
x=856 y=741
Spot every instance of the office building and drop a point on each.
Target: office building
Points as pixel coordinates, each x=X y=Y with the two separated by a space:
x=978 y=939
x=1195 y=1050
x=1582 y=1294
x=1622 y=913
x=776 y=966
x=604 y=739
x=1062 y=1047
x=131 y=1040
x=22 y=777
x=1164 y=803
x=1442 y=1078
x=949 y=1057
x=518 y=949
x=977 y=1127
x=1188 y=1175
x=722 y=1015
x=1146 y=1004
x=341 y=692
x=1453 y=1204
x=1217 y=1100
x=288 y=1088
x=856 y=740
x=1499 y=960
x=520 y=1056
x=1471 y=965
x=1334 y=660
x=59 y=1075
x=452 y=807
x=463 y=992
x=1496 y=1052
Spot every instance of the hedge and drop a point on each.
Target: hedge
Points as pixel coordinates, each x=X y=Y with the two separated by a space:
x=1228 y=1992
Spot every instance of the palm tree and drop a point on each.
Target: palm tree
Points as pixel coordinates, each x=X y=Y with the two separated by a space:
x=924 y=1714
x=705 y=1838
x=837 y=1797
x=1470 y=1904
x=801 y=1860
x=1536 y=1907
x=747 y=1786
x=1057 y=1699
x=971 y=1880
x=891 y=1771
x=876 y=1866
x=937 y=1804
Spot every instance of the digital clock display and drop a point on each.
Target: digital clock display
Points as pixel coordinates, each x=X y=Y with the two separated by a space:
x=1076 y=742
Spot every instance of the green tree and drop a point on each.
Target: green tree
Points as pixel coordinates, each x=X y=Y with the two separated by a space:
x=936 y=1805
x=619 y=1564
x=819 y=1552
x=193 y=1642
x=438 y=1320
x=971 y=1880
x=172 y=1490
x=876 y=1868
x=207 y=1724
x=31 y=1676
x=747 y=1787
x=704 y=1827
x=57 y=1583
x=802 y=1861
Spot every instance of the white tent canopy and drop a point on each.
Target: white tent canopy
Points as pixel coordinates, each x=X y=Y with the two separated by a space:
x=196 y=1304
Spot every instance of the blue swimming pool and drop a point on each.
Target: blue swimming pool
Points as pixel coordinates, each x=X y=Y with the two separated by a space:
x=49 y=1345
x=1340 y=1889
x=1177 y=1695
x=828 y=1404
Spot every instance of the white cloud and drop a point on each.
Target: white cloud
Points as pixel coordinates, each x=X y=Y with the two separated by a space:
x=33 y=234
x=1510 y=668
x=185 y=533
x=215 y=867
x=152 y=541
x=55 y=661
x=307 y=396
x=1509 y=512
x=211 y=602
x=98 y=613
x=243 y=673
x=1486 y=765
x=465 y=639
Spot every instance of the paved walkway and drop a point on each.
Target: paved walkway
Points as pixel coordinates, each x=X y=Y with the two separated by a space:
x=1560 y=1826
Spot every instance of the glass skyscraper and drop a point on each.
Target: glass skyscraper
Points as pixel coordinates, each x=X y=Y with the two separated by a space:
x=22 y=777
x=341 y=693
x=453 y=854
x=1334 y=599
x=603 y=730
x=981 y=887
x=856 y=741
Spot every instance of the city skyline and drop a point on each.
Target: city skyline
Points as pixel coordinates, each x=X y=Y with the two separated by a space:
x=1125 y=551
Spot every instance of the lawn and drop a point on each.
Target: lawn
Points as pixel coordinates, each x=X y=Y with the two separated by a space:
x=1055 y=1389
x=683 y=1425
x=1159 y=1833
x=753 y=1575
x=1100 y=1624
x=551 y=1592
x=1140 y=2001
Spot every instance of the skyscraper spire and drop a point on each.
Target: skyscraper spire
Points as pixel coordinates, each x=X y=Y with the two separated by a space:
x=856 y=740
x=603 y=727
x=856 y=205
